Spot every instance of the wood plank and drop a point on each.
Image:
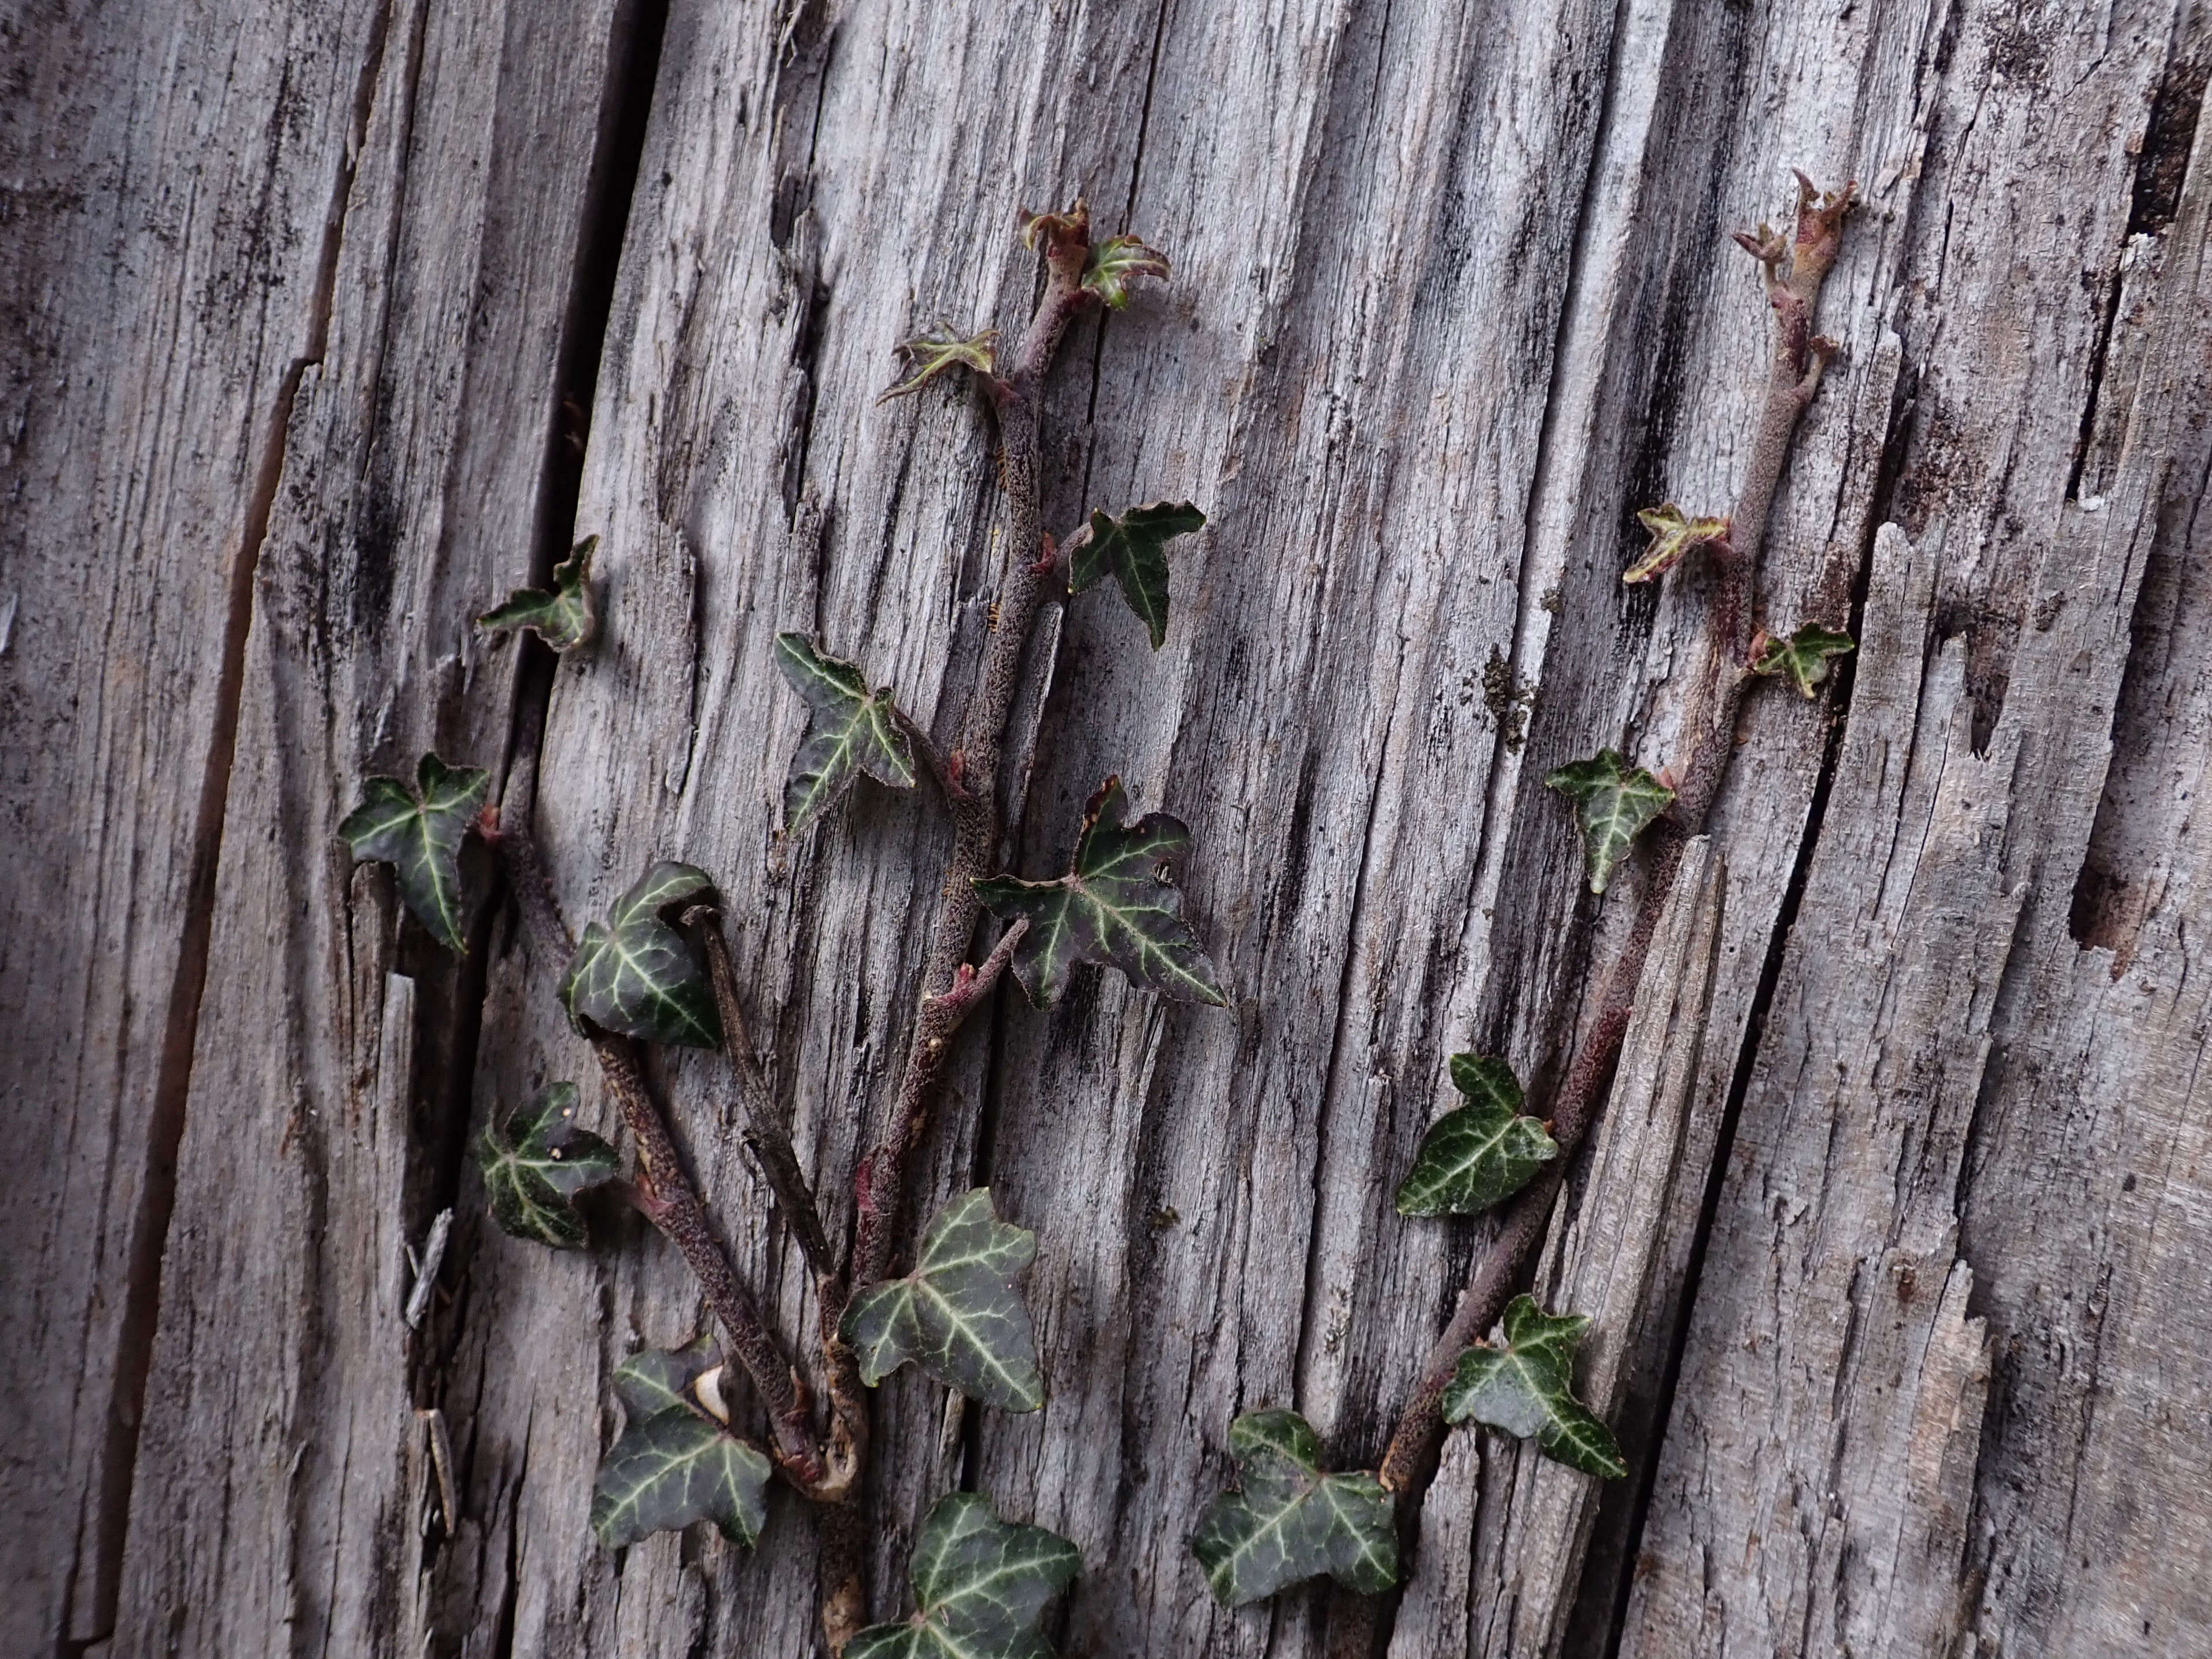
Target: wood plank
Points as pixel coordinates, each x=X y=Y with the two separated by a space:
x=284 y=1482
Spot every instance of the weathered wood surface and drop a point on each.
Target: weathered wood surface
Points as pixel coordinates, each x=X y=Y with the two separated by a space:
x=1891 y=1322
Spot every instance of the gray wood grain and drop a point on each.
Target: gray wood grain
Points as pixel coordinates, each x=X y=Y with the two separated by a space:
x=1888 y=1306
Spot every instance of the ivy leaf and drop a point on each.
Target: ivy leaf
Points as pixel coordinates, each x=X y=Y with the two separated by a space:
x=418 y=833
x=981 y=1585
x=1117 y=262
x=939 y=349
x=1481 y=1153
x=1672 y=535
x=1803 y=656
x=1118 y=906
x=634 y=975
x=1134 y=550
x=1287 y=1522
x=957 y=1315
x=677 y=1461
x=849 y=730
x=536 y=1163
x=1527 y=1388
x=564 y=618
x=1614 y=801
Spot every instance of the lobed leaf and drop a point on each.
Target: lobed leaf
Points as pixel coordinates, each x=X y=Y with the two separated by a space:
x=981 y=1587
x=1527 y=1388
x=1286 y=1521
x=1803 y=656
x=1118 y=906
x=1614 y=802
x=1132 y=549
x=1482 y=1152
x=537 y=1161
x=565 y=618
x=957 y=1315
x=1672 y=535
x=849 y=730
x=634 y=974
x=677 y=1461
x=418 y=831
x=1117 y=262
x=939 y=349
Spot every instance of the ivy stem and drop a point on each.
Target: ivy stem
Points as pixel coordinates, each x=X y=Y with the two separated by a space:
x=1800 y=355
x=1066 y=240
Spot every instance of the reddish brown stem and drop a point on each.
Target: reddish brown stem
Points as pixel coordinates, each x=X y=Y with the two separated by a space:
x=1798 y=358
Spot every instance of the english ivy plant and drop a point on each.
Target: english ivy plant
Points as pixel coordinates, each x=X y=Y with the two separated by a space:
x=1133 y=551
x=849 y=730
x=536 y=1161
x=1481 y=1154
x=981 y=1587
x=1526 y=1388
x=633 y=974
x=1614 y=803
x=1285 y=1521
x=1803 y=657
x=565 y=617
x=418 y=831
x=957 y=1315
x=678 y=1461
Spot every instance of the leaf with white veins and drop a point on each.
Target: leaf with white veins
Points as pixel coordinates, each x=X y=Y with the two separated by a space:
x=957 y=1315
x=938 y=350
x=849 y=730
x=1527 y=1388
x=1614 y=801
x=1132 y=549
x=677 y=1461
x=634 y=974
x=564 y=618
x=1672 y=535
x=418 y=833
x=1286 y=1521
x=537 y=1161
x=1118 y=906
x=1803 y=656
x=1117 y=262
x=980 y=1586
x=1483 y=1152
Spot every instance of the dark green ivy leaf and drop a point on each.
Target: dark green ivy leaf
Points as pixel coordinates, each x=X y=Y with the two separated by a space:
x=1672 y=535
x=1119 y=906
x=1117 y=262
x=981 y=1585
x=1482 y=1153
x=957 y=1315
x=536 y=1163
x=418 y=833
x=931 y=354
x=564 y=618
x=1614 y=801
x=1803 y=656
x=849 y=730
x=1287 y=1522
x=1527 y=1388
x=634 y=974
x=1134 y=548
x=677 y=1461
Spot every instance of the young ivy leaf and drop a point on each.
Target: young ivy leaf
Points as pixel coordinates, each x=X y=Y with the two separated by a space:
x=981 y=1585
x=939 y=349
x=1527 y=1388
x=1482 y=1153
x=957 y=1315
x=537 y=1161
x=565 y=618
x=1614 y=801
x=1117 y=262
x=634 y=975
x=1119 y=906
x=1803 y=656
x=1286 y=1521
x=1132 y=549
x=1672 y=535
x=849 y=730
x=677 y=1461
x=418 y=833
